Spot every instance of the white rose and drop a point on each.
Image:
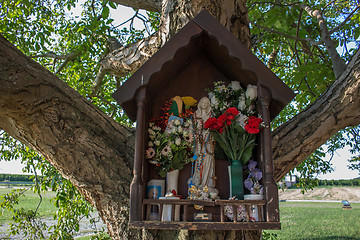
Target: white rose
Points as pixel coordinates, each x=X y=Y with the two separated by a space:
x=251 y=92
x=185 y=134
x=212 y=98
x=235 y=85
x=173 y=130
x=177 y=141
x=177 y=122
x=150 y=144
x=241 y=104
x=157 y=142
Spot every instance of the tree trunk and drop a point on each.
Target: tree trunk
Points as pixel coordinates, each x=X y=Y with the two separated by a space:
x=95 y=153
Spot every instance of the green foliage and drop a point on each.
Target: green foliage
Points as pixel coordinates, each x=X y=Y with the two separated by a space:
x=16 y=177
x=72 y=207
x=310 y=169
x=268 y=235
x=283 y=28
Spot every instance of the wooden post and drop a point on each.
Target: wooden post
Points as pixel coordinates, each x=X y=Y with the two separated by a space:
x=136 y=188
x=270 y=187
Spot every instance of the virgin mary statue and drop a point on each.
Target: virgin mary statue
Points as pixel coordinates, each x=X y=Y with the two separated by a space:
x=204 y=167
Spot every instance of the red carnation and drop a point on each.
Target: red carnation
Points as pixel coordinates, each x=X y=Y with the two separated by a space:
x=232 y=111
x=251 y=130
x=221 y=120
x=211 y=123
x=253 y=124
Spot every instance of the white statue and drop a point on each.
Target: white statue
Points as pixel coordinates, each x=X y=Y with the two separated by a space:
x=204 y=167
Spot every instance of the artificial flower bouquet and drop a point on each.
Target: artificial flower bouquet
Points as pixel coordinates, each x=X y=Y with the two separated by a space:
x=170 y=139
x=252 y=182
x=235 y=124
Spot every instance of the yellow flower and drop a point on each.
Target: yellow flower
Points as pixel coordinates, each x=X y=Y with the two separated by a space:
x=189 y=102
x=205 y=189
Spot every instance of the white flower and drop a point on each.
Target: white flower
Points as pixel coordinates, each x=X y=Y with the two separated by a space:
x=150 y=144
x=155 y=128
x=235 y=85
x=180 y=130
x=177 y=141
x=166 y=151
x=251 y=92
x=213 y=99
x=177 y=122
x=187 y=123
x=185 y=133
x=152 y=137
x=150 y=153
x=157 y=142
x=150 y=131
x=168 y=130
x=241 y=104
x=173 y=130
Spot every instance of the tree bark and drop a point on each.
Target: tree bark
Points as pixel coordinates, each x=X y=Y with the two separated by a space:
x=150 y=5
x=174 y=15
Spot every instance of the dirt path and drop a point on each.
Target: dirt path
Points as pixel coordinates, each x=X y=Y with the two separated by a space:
x=333 y=193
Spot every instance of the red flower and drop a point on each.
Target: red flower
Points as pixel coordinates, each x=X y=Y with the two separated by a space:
x=211 y=123
x=221 y=120
x=232 y=111
x=253 y=124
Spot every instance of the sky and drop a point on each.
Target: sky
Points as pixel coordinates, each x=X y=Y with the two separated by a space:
x=121 y=14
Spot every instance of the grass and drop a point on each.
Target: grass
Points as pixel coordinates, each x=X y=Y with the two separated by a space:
x=30 y=200
x=300 y=220
x=318 y=221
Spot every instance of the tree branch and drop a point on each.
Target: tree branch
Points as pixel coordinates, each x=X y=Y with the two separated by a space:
x=311 y=41
x=68 y=58
x=90 y=149
x=344 y=22
x=49 y=55
x=338 y=63
x=98 y=81
x=150 y=5
x=337 y=108
x=128 y=59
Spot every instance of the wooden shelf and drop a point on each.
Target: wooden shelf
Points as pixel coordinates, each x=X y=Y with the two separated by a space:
x=216 y=208
x=205 y=225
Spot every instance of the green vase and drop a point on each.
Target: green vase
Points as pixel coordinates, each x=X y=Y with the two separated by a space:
x=236 y=180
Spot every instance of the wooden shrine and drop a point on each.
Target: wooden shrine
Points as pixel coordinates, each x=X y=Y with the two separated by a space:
x=200 y=54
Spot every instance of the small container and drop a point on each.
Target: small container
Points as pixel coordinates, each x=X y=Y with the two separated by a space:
x=254 y=209
x=167 y=209
x=155 y=188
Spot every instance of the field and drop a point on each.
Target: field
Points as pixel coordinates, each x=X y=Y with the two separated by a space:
x=318 y=221
x=300 y=220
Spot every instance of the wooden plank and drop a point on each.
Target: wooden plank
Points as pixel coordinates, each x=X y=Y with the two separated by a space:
x=222 y=215
x=179 y=202
x=240 y=202
x=205 y=225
